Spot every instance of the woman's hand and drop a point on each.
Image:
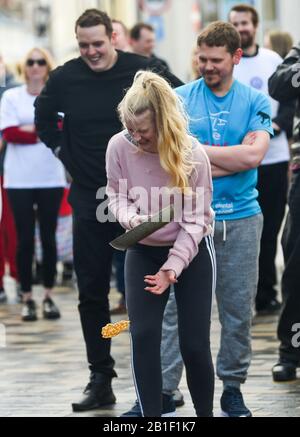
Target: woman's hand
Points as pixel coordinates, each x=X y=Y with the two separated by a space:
x=161 y=281
x=137 y=220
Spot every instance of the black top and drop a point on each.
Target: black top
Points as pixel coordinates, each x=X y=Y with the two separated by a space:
x=282 y=82
x=89 y=101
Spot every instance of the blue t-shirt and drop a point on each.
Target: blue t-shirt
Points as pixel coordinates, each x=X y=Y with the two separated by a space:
x=224 y=121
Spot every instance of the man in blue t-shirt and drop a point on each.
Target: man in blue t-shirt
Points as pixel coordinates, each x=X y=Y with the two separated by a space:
x=233 y=122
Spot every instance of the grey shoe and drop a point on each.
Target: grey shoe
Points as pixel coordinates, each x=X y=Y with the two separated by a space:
x=178 y=398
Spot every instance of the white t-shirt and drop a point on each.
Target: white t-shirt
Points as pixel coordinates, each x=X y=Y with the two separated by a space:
x=255 y=71
x=26 y=165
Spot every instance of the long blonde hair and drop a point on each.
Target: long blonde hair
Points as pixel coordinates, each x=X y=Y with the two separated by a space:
x=151 y=92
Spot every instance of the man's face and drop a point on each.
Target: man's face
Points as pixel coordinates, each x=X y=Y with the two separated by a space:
x=146 y=43
x=121 y=39
x=243 y=23
x=216 y=64
x=96 y=48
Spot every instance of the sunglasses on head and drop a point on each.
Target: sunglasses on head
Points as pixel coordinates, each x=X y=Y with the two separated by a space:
x=40 y=62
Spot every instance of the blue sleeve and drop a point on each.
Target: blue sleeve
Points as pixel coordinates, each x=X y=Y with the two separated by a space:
x=261 y=118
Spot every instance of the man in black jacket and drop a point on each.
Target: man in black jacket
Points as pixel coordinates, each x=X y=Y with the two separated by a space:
x=284 y=85
x=87 y=90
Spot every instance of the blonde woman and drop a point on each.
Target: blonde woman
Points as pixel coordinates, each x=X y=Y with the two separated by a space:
x=34 y=180
x=155 y=152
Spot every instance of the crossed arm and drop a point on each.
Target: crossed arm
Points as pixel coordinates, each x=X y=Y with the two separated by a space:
x=234 y=159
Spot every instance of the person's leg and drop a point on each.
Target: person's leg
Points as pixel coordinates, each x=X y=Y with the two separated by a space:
x=171 y=359
x=194 y=301
x=2 y=236
x=10 y=236
x=48 y=204
x=22 y=201
x=290 y=314
x=145 y=311
x=237 y=250
x=92 y=263
x=272 y=187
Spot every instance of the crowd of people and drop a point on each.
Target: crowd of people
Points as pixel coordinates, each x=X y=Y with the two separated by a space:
x=79 y=144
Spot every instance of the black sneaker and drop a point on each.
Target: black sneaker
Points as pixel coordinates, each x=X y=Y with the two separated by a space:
x=232 y=403
x=169 y=409
x=284 y=371
x=269 y=308
x=3 y=297
x=29 y=311
x=50 y=310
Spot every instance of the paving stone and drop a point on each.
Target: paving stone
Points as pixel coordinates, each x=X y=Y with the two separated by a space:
x=43 y=368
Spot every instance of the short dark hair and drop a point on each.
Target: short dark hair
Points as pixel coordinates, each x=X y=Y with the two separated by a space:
x=135 y=32
x=220 y=34
x=125 y=28
x=247 y=8
x=94 y=17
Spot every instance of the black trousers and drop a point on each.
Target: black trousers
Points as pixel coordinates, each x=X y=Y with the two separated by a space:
x=290 y=314
x=272 y=187
x=47 y=202
x=193 y=294
x=92 y=263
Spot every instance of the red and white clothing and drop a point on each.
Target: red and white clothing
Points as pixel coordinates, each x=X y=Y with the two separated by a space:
x=28 y=162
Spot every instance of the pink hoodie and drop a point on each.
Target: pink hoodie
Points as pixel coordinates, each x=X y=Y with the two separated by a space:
x=129 y=168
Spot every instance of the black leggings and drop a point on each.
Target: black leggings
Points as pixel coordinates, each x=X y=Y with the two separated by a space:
x=194 y=300
x=47 y=201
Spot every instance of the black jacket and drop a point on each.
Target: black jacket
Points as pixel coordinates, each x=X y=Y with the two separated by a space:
x=284 y=84
x=89 y=103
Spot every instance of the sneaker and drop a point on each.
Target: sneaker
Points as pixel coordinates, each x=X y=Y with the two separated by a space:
x=29 y=311
x=272 y=307
x=284 y=371
x=178 y=398
x=50 y=310
x=3 y=297
x=232 y=404
x=168 y=409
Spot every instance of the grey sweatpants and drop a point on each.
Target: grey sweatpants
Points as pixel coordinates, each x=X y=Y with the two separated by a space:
x=237 y=245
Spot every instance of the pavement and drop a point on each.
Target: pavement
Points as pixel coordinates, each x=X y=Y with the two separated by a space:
x=43 y=365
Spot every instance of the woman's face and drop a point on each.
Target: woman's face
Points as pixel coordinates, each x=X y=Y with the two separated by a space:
x=267 y=42
x=36 y=67
x=143 y=130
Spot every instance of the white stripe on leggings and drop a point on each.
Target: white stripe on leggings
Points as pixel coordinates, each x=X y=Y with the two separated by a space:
x=211 y=250
x=133 y=374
